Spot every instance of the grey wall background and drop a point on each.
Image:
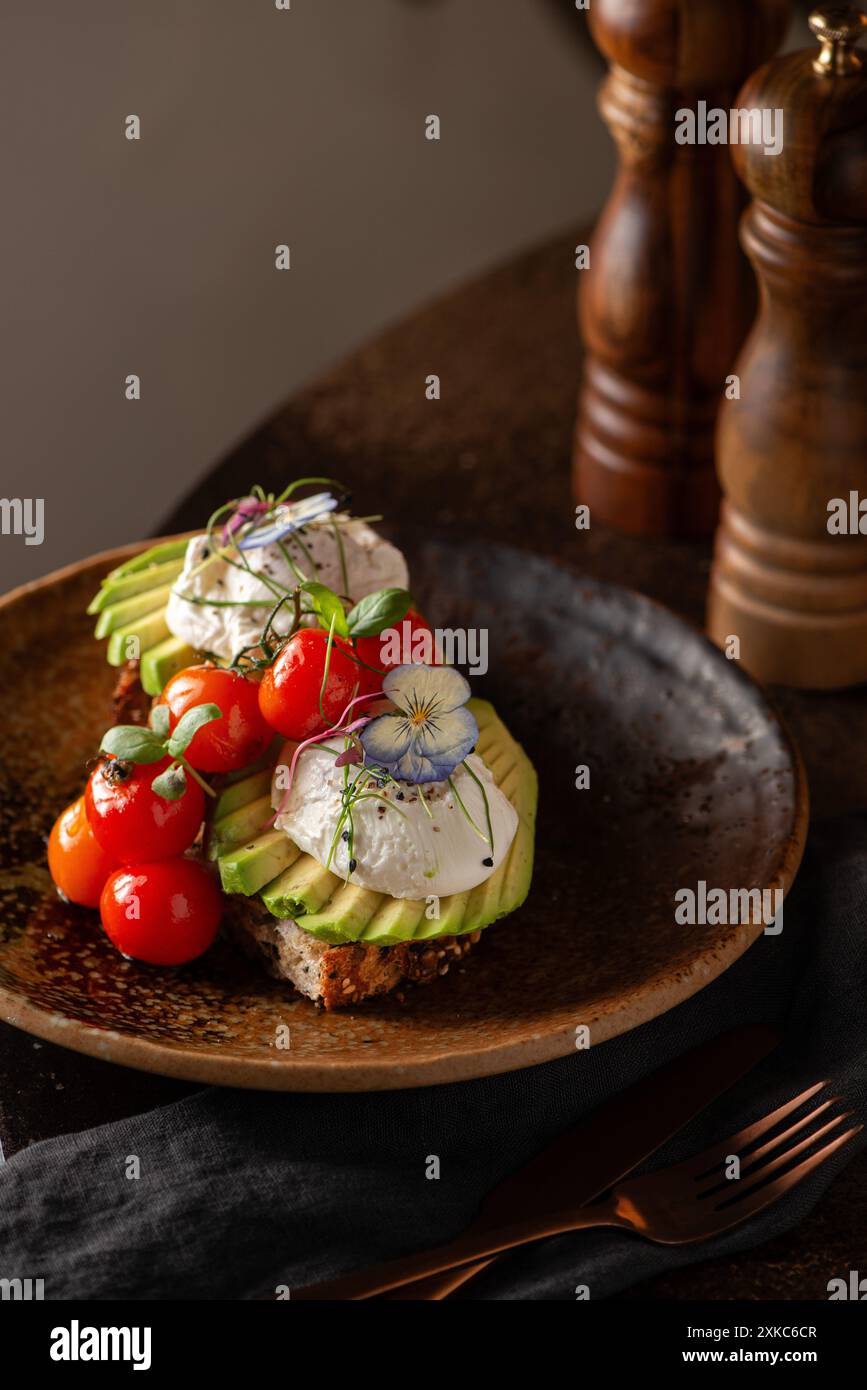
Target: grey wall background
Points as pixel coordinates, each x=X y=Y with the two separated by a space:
x=258 y=127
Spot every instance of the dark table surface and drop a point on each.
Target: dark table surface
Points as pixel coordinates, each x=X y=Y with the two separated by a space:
x=490 y=458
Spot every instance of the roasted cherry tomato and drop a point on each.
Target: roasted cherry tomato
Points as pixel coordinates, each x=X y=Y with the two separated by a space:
x=78 y=863
x=410 y=640
x=131 y=821
x=229 y=743
x=289 y=693
x=165 y=912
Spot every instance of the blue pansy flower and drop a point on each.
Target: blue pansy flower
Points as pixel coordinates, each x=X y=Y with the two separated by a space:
x=430 y=732
x=287 y=519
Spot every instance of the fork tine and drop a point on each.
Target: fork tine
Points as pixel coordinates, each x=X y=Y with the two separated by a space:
x=772 y=1144
x=758 y=1198
x=777 y=1141
x=704 y=1163
x=758 y=1172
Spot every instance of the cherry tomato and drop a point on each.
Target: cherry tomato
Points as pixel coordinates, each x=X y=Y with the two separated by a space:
x=289 y=693
x=131 y=821
x=226 y=744
x=79 y=865
x=165 y=912
x=416 y=643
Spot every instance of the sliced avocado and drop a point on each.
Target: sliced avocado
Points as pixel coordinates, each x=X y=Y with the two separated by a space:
x=146 y=631
x=321 y=903
x=486 y=717
x=116 y=590
x=448 y=923
x=394 y=921
x=156 y=555
x=499 y=762
x=483 y=902
x=344 y=916
x=505 y=890
x=484 y=712
x=239 y=827
x=302 y=888
x=119 y=614
x=491 y=734
x=249 y=867
x=160 y=662
x=251 y=788
x=518 y=868
x=510 y=786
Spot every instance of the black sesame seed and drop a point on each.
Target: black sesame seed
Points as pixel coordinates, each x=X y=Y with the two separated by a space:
x=488 y=863
x=401 y=797
x=345 y=835
x=353 y=865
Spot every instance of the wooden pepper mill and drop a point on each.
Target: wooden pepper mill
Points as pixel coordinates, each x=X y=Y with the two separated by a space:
x=668 y=298
x=792 y=451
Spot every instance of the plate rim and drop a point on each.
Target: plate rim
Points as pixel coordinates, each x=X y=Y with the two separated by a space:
x=440 y=1068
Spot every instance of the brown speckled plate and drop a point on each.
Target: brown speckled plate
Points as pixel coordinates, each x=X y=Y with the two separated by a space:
x=692 y=777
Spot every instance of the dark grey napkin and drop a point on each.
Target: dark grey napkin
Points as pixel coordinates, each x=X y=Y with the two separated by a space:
x=241 y=1192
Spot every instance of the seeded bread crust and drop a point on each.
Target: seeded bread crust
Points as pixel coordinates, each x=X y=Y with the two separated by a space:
x=336 y=977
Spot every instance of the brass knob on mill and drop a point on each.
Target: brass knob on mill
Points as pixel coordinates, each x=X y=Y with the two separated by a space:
x=838 y=27
x=789 y=577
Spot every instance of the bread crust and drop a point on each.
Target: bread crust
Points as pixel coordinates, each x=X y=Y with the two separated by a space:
x=351 y=973
x=336 y=977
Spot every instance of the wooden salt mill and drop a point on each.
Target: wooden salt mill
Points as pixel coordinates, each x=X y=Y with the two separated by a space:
x=793 y=593
x=669 y=297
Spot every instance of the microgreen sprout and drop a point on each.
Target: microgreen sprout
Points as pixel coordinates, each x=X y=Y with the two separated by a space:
x=133 y=743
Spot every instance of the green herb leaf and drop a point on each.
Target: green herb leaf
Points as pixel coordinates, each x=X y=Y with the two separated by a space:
x=133 y=744
x=189 y=726
x=378 y=611
x=171 y=784
x=159 y=719
x=327 y=606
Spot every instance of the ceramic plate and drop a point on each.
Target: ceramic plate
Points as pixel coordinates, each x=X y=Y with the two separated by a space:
x=692 y=778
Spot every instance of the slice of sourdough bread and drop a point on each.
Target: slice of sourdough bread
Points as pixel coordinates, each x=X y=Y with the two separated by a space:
x=337 y=977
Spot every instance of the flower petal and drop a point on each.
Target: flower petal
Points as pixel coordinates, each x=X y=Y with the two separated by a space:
x=448 y=737
x=288 y=519
x=417 y=686
x=413 y=769
x=386 y=739
x=427 y=754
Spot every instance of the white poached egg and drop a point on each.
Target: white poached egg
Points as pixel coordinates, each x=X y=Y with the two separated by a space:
x=400 y=846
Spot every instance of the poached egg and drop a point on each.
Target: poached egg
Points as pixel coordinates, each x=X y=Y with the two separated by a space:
x=371 y=563
x=400 y=846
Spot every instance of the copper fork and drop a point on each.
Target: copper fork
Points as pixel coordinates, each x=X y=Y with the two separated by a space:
x=688 y=1202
